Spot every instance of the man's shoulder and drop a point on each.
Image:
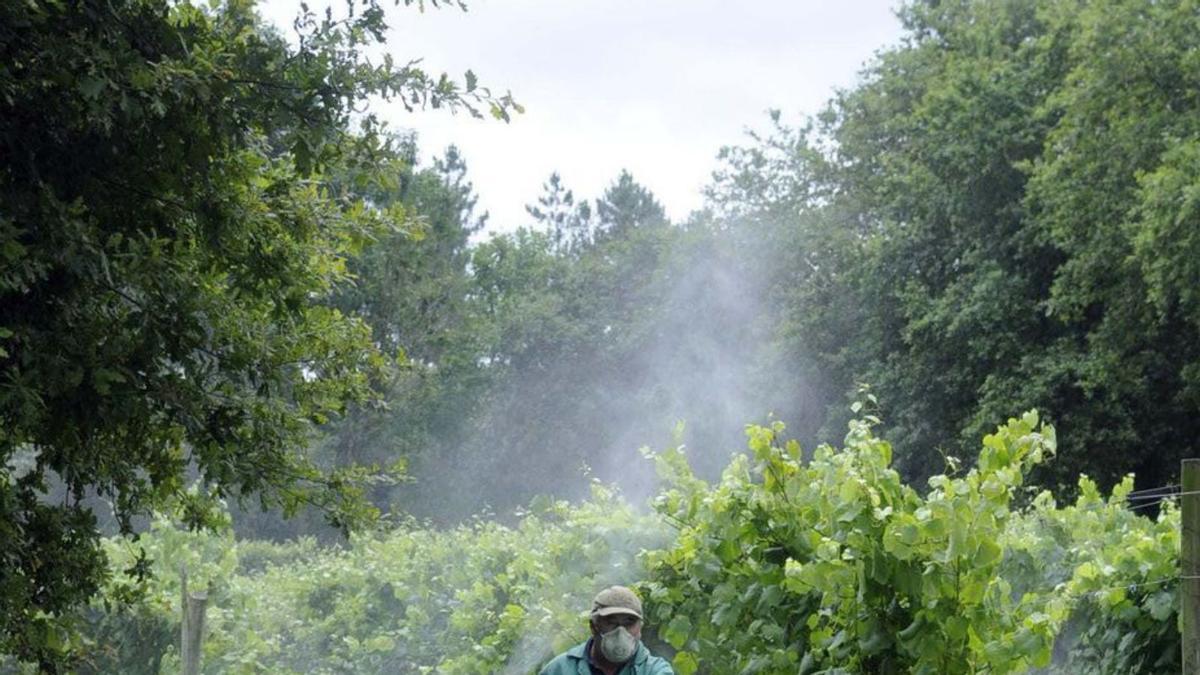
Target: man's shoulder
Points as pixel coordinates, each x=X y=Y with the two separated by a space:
x=654 y=665
x=565 y=663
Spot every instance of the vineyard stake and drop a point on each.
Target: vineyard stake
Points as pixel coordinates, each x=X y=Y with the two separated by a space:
x=191 y=629
x=1189 y=558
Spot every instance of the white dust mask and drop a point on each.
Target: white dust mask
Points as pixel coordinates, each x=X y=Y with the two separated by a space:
x=618 y=645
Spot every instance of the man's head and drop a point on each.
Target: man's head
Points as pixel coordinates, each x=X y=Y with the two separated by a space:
x=615 y=608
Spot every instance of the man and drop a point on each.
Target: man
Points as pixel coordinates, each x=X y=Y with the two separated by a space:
x=615 y=646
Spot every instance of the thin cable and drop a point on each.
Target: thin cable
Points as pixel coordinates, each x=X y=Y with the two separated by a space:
x=1164 y=487
x=1091 y=507
x=1172 y=495
x=1163 y=493
x=1160 y=495
x=1163 y=499
x=1144 y=506
x=1102 y=505
x=1129 y=587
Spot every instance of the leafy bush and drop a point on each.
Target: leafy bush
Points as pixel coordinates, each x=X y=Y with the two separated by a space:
x=479 y=598
x=825 y=565
x=836 y=566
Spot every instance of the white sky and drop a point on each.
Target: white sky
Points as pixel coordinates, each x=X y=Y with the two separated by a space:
x=652 y=86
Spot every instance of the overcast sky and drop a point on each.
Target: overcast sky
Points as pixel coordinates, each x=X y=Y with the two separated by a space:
x=652 y=86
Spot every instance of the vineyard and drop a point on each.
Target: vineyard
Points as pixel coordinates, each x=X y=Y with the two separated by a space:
x=829 y=564
x=286 y=388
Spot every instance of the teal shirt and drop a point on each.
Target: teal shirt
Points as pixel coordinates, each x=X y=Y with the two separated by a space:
x=574 y=662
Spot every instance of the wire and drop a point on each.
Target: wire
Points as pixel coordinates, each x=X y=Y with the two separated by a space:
x=1160 y=495
x=1103 y=504
x=1164 y=498
x=1137 y=495
x=1143 y=506
x=1156 y=489
x=1129 y=587
x=1181 y=494
x=1168 y=495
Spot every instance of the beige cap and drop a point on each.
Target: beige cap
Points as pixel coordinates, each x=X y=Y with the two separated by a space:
x=616 y=600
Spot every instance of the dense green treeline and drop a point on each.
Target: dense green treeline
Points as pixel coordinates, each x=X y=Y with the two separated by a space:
x=986 y=221
x=1015 y=178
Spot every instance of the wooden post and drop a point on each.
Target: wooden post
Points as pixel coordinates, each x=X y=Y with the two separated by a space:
x=191 y=631
x=1189 y=559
